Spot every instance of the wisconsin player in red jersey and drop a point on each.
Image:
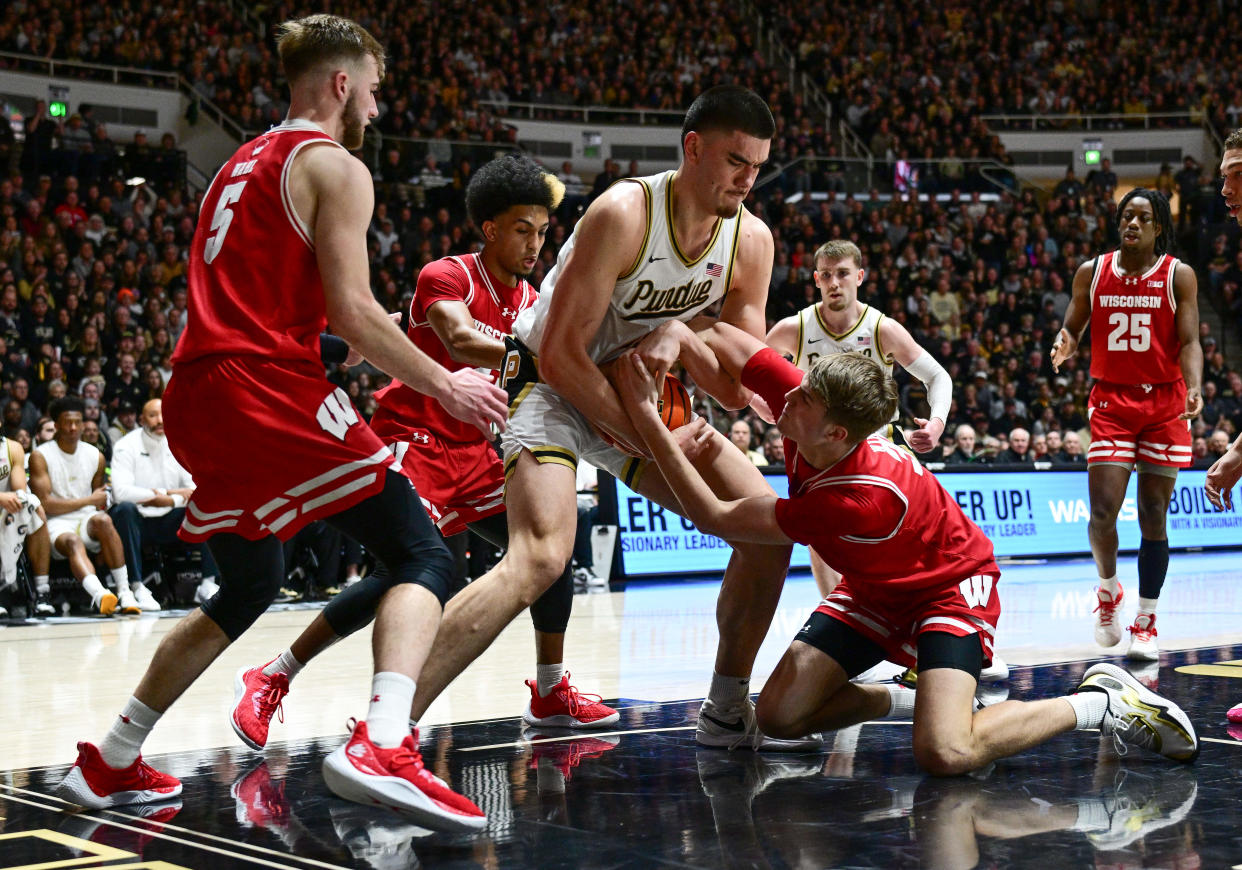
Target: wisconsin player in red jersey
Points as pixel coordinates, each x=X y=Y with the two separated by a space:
x=918 y=578
x=280 y=253
x=1142 y=306
x=462 y=312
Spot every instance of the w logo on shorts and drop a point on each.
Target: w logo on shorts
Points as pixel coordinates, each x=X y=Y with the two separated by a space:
x=976 y=590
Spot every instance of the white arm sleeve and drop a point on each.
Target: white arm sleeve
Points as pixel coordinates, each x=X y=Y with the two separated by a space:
x=939 y=385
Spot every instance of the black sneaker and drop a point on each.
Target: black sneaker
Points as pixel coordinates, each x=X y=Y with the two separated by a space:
x=43 y=604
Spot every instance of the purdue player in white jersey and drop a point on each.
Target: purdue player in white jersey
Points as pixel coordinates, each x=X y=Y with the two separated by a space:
x=840 y=322
x=649 y=256
x=22 y=524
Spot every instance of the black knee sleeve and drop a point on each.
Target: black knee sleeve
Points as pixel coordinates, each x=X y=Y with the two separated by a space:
x=550 y=611
x=250 y=574
x=939 y=649
x=395 y=527
x=355 y=606
x=854 y=652
x=1153 y=565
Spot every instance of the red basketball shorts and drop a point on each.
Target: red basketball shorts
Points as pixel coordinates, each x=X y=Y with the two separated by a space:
x=458 y=482
x=1139 y=423
x=271 y=445
x=970 y=607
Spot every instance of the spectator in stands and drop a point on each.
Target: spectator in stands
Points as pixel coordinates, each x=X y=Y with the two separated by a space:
x=964 y=450
x=1071 y=449
x=774 y=446
x=1218 y=444
x=124 y=421
x=743 y=439
x=1039 y=448
x=29 y=412
x=125 y=387
x=1018 y=451
x=150 y=490
x=1201 y=457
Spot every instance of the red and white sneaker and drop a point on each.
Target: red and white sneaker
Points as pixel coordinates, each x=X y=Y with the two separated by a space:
x=565 y=754
x=395 y=778
x=1143 y=644
x=92 y=783
x=256 y=697
x=1107 y=629
x=566 y=707
x=1235 y=714
x=260 y=802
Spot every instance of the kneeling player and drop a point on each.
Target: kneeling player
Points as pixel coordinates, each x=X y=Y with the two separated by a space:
x=918 y=577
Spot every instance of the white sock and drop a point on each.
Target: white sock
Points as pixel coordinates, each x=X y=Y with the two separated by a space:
x=413 y=726
x=548 y=677
x=92 y=586
x=206 y=580
x=1109 y=585
x=901 y=701
x=1092 y=815
x=120 y=578
x=123 y=743
x=727 y=692
x=1089 y=707
x=42 y=583
x=389 y=714
x=1148 y=605
x=285 y=663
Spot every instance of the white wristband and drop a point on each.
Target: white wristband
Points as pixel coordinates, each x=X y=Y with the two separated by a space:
x=178 y=500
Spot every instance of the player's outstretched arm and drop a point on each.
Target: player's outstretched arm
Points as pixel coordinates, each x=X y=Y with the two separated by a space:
x=355 y=315
x=747 y=519
x=1186 y=291
x=895 y=339
x=1065 y=345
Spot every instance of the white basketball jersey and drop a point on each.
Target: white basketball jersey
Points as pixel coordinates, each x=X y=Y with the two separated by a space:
x=71 y=474
x=662 y=284
x=816 y=340
x=6 y=466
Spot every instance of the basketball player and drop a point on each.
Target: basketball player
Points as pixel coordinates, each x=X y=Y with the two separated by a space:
x=67 y=476
x=840 y=322
x=1225 y=472
x=462 y=311
x=282 y=255
x=1143 y=310
x=22 y=524
x=919 y=578
x=648 y=254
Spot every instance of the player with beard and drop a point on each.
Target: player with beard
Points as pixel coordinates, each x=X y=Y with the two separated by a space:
x=1142 y=306
x=279 y=253
x=461 y=315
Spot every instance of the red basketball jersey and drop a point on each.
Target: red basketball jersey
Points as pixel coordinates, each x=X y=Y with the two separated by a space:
x=1134 y=324
x=877 y=515
x=492 y=304
x=254 y=285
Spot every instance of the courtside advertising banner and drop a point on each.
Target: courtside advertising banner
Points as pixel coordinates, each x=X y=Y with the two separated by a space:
x=1024 y=513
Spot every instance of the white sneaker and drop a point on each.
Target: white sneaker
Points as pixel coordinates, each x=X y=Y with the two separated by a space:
x=126 y=602
x=144 y=597
x=1143 y=644
x=1139 y=717
x=995 y=672
x=736 y=728
x=1107 y=628
x=206 y=590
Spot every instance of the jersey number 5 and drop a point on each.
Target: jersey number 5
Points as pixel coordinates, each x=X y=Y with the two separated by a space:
x=1130 y=331
x=221 y=219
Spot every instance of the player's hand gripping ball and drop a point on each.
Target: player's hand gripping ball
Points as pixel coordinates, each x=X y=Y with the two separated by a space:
x=673 y=404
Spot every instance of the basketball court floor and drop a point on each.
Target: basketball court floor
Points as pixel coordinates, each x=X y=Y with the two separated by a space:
x=642 y=794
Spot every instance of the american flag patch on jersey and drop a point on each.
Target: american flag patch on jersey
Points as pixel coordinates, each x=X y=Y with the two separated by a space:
x=715 y=270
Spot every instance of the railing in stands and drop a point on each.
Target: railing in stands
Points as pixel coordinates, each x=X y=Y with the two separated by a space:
x=120 y=75
x=1078 y=121
x=583 y=114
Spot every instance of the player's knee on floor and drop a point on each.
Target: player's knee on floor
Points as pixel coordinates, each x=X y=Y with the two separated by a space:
x=941 y=755
x=776 y=720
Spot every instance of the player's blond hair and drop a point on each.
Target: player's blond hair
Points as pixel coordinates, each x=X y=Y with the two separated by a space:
x=838 y=249
x=307 y=44
x=859 y=395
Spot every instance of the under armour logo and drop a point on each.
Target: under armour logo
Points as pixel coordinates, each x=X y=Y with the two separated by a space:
x=420 y=437
x=375 y=699
x=1103 y=405
x=508 y=313
x=1130 y=281
x=1147 y=388
x=357 y=750
x=124 y=718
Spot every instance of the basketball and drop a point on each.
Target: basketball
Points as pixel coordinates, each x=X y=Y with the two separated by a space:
x=674 y=403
